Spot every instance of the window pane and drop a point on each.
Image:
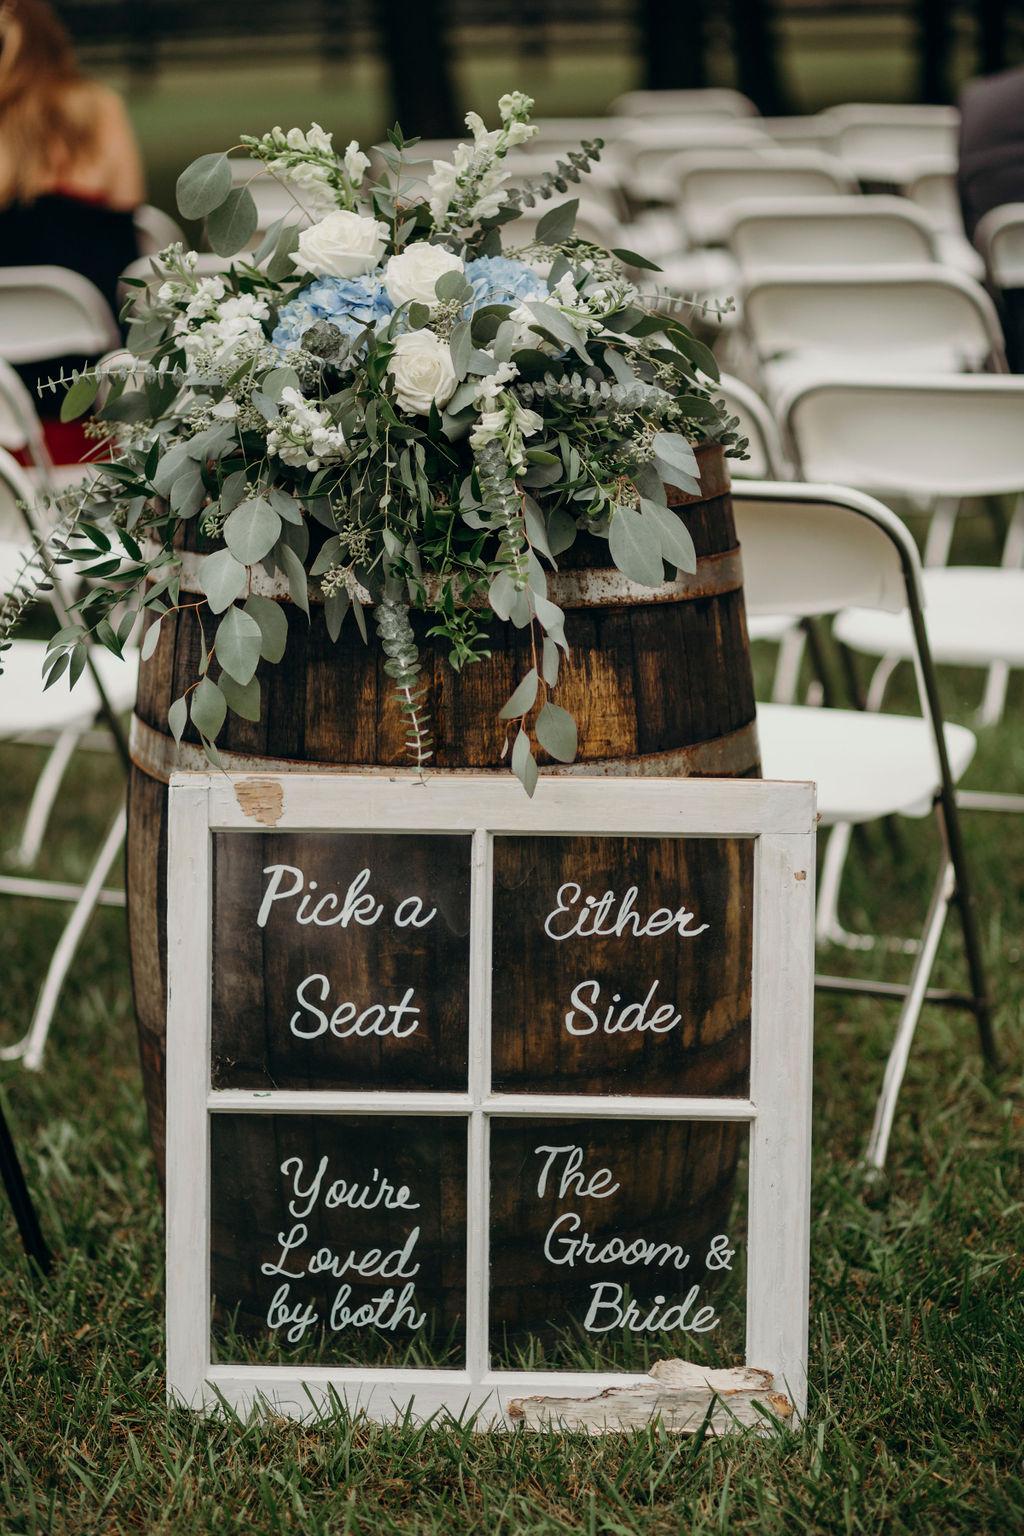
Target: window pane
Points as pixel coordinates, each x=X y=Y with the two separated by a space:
x=338 y=1240
x=622 y=965
x=617 y=1243
x=340 y=960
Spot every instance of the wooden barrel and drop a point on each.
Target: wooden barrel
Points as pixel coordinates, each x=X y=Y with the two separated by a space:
x=658 y=680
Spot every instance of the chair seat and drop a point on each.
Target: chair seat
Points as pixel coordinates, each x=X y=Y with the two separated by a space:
x=974 y=614
x=865 y=765
x=26 y=706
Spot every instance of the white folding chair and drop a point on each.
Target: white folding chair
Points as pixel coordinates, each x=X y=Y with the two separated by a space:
x=828 y=231
x=710 y=185
x=710 y=102
x=999 y=236
x=883 y=142
x=21 y=431
x=807 y=130
x=59 y=717
x=52 y=312
x=765 y=460
x=838 y=320
x=156 y=230
x=812 y=550
x=646 y=152
x=947 y=438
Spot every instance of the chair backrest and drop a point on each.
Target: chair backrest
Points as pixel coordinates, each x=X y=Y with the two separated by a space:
x=18 y=500
x=155 y=230
x=931 y=186
x=829 y=231
x=924 y=315
x=952 y=435
x=52 y=312
x=814 y=549
x=765 y=458
x=709 y=102
x=809 y=130
x=20 y=427
x=711 y=186
x=999 y=236
x=646 y=154
x=880 y=151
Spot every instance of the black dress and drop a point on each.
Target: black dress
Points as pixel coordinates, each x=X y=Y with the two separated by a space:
x=59 y=230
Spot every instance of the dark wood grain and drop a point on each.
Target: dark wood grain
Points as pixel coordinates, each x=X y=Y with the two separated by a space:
x=251 y=1223
x=262 y=974
x=704 y=979
x=675 y=1185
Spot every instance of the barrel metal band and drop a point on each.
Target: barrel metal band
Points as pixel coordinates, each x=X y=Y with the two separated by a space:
x=734 y=754
x=585 y=588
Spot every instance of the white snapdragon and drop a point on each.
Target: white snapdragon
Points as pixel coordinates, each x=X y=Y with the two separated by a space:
x=411 y=275
x=344 y=244
x=469 y=187
x=356 y=163
x=303 y=435
x=423 y=373
x=502 y=418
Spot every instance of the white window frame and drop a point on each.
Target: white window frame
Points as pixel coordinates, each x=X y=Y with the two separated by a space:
x=778 y=817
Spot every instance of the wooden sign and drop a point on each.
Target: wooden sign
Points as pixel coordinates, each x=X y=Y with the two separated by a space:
x=490 y=1104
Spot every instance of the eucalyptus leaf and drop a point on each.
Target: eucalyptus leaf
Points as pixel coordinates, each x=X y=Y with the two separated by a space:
x=223 y=579
x=554 y=324
x=523 y=765
x=232 y=224
x=177 y=719
x=203 y=185
x=327 y=557
x=171 y=466
x=523 y=697
x=281 y=264
x=242 y=699
x=549 y=662
x=151 y=640
x=461 y=347
x=252 y=529
x=237 y=644
x=284 y=504
x=676 y=543
x=558 y=223
x=278 y=380
x=295 y=572
x=209 y=706
x=561 y=531
x=632 y=259
x=556 y=732
x=273 y=623
x=635 y=546
x=188 y=491
x=79 y=397
x=335 y=608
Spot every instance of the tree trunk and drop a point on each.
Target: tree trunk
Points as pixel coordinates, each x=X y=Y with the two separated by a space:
x=674 y=44
x=933 y=23
x=414 y=43
x=757 y=61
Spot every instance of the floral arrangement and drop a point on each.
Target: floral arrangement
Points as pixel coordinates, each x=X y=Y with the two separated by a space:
x=439 y=406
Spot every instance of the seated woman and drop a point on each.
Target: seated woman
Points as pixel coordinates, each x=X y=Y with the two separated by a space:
x=70 y=169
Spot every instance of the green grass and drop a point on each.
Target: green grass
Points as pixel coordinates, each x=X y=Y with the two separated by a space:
x=916 y=1313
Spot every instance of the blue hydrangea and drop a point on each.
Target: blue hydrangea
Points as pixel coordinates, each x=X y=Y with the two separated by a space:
x=349 y=303
x=500 y=280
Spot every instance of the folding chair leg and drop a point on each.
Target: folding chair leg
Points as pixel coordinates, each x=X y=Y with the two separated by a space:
x=940 y=531
x=990 y=711
x=787 y=666
x=45 y=794
x=896 y=1066
x=30 y=1046
x=827 y=927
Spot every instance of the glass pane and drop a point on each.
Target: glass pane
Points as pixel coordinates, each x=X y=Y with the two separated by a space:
x=622 y=965
x=340 y=960
x=338 y=1240
x=617 y=1243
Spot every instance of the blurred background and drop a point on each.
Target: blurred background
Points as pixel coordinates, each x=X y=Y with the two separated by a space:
x=196 y=73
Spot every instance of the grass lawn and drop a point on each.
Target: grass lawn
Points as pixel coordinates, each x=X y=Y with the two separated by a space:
x=916 y=1316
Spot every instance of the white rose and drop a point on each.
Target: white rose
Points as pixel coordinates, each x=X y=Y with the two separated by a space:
x=411 y=274
x=421 y=367
x=342 y=245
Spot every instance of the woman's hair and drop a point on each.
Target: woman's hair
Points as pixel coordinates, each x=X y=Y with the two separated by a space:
x=42 y=126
